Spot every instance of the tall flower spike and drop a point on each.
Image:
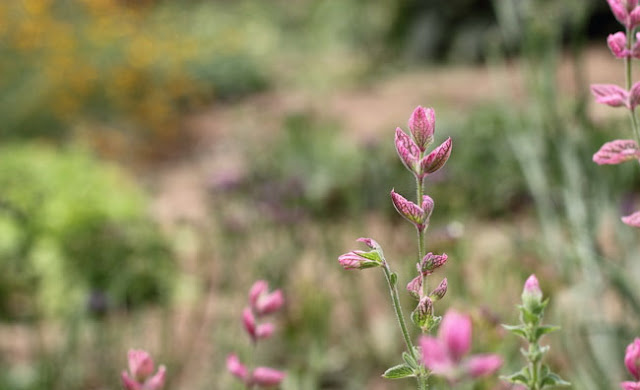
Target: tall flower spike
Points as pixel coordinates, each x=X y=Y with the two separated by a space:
x=408 y=151
x=422 y=124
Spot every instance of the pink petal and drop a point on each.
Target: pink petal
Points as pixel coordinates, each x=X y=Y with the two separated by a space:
x=140 y=364
x=619 y=11
x=236 y=368
x=455 y=332
x=630 y=385
x=610 y=94
x=259 y=287
x=435 y=356
x=618 y=44
x=411 y=211
x=482 y=365
x=407 y=150
x=422 y=125
x=437 y=158
x=249 y=322
x=129 y=383
x=156 y=382
x=264 y=331
x=616 y=152
x=633 y=219
x=269 y=303
x=632 y=358
x=265 y=376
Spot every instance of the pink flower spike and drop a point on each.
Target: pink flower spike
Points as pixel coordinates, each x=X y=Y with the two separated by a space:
x=409 y=210
x=610 y=94
x=483 y=365
x=249 y=322
x=140 y=364
x=236 y=368
x=632 y=358
x=422 y=125
x=455 y=332
x=408 y=151
x=156 y=382
x=630 y=385
x=265 y=376
x=435 y=356
x=618 y=44
x=265 y=331
x=436 y=159
x=129 y=383
x=269 y=303
x=616 y=152
x=259 y=288
x=632 y=220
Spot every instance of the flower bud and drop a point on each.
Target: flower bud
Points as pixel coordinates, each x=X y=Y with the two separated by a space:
x=618 y=44
x=632 y=358
x=419 y=216
x=408 y=151
x=423 y=313
x=531 y=294
x=422 y=125
x=370 y=242
x=269 y=303
x=360 y=260
x=431 y=262
x=259 y=288
x=249 y=322
x=415 y=287
x=439 y=292
x=436 y=159
x=264 y=376
x=156 y=382
x=236 y=368
x=264 y=331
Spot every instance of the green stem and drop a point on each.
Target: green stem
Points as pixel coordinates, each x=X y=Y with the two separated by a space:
x=629 y=81
x=420 y=193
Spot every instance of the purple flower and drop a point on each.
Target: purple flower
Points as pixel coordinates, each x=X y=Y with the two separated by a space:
x=444 y=354
x=422 y=125
x=140 y=372
x=632 y=220
x=617 y=151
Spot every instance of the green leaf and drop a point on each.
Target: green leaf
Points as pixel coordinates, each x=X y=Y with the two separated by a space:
x=373 y=255
x=521 y=376
x=519 y=330
x=553 y=379
x=411 y=362
x=398 y=372
x=544 y=329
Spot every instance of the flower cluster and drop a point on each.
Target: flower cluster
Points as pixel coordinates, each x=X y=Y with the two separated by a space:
x=140 y=375
x=632 y=361
x=445 y=355
x=261 y=303
x=625 y=45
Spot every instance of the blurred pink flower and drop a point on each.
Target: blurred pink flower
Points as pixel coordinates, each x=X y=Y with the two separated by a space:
x=264 y=376
x=632 y=220
x=140 y=369
x=632 y=358
x=357 y=260
x=610 y=94
x=617 y=151
x=626 y=12
x=618 y=44
x=422 y=125
x=236 y=368
x=262 y=302
x=444 y=355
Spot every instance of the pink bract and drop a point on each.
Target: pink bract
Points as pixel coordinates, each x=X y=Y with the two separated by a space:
x=632 y=220
x=236 y=368
x=408 y=151
x=436 y=159
x=422 y=125
x=617 y=151
x=618 y=44
x=610 y=94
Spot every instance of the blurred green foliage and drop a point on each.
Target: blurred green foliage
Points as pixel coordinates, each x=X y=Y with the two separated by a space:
x=75 y=236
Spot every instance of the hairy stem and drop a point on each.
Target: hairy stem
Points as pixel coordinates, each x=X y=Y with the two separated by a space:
x=420 y=193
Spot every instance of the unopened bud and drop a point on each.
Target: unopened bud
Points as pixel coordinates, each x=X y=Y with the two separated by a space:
x=422 y=125
x=436 y=159
x=419 y=216
x=415 y=287
x=408 y=151
x=431 y=262
x=440 y=291
x=423 y=313
x=531 y=294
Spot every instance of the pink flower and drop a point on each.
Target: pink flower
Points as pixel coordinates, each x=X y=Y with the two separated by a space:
x=264 y=376
x=422 y=125
x=632 y=220
x=436 y=159
x=262 y=302
x=610 y=94
x=249 y=322
x=617 y=151
x=140 y=370
x=408 y=151
x=618 y=44
x=632 y=358
x=630 y=385
x=418 y=215
x=626 y=12
x=444 y=355
x=264 y=331
x=236 y=368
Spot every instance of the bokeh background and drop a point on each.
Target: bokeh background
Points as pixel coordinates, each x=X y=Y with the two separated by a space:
x=157 y=157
